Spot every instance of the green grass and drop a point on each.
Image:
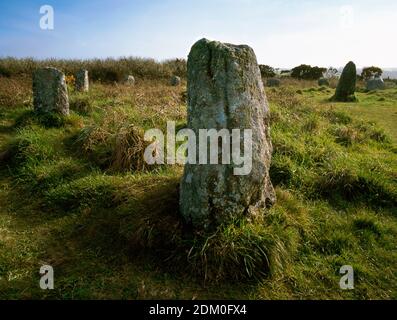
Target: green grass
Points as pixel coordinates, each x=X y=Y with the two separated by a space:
x=375 y=106
x=112 y=233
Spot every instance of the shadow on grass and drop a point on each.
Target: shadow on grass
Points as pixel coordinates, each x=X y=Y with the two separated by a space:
x=109 y=252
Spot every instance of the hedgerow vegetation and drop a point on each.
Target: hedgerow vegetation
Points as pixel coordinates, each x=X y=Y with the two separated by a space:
x=74 y=194
x=109 y=70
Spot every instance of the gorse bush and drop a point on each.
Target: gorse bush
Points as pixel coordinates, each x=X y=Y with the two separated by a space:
x=307 y=72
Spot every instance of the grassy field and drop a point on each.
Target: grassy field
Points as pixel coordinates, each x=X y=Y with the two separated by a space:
x=71 y=197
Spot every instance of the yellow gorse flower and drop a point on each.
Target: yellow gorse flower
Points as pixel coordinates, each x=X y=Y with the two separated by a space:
x=70 y=80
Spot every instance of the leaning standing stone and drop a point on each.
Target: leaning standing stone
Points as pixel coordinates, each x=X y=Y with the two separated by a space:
x=50 y=93
x=175 y=81
x=225 y=91
x=346 y=85
x=82 y=83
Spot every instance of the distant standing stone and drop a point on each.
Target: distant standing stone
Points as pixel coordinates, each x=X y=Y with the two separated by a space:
x=82 y=82
x=323 y=82
x=130 y=80
x=273 y=82
x=347 y=84
x=50 y=93
x=225 y=91
x=175 y=81
x=375 y=84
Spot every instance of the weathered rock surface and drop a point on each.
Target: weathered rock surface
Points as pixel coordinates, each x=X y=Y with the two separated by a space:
x=225 y=91
x=130 y=80
x=375 y=84
x=82 y=82
x=175 y=81
x=50 y=93
x=273 y=82
x=347 y=84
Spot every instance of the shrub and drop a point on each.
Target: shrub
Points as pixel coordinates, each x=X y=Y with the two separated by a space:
x=307 y=72
x=370 y=72
x=266 y=71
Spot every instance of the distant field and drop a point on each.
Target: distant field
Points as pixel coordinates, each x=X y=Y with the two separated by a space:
x=110 y=229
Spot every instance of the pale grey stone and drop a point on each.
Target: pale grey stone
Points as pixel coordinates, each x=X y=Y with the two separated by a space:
x=375 y=84
x=81 y=81
x=175 y=81
x=50 y=93
x=225 y=91
x=130 y=80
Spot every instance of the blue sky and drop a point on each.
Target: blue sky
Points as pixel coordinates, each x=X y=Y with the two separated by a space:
x=283 y=33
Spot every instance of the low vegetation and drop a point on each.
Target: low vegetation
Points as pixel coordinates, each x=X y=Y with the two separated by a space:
x=108 y=71
x=75 y=194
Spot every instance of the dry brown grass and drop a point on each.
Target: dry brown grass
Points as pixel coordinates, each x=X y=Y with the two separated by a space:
x=152 y=100
x=15 y=91
x=128 y=151
x=284 y=97
x=115 y=143
x=302 y=84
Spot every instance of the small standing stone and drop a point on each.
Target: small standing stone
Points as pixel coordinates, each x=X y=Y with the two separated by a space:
x=375 y=84
x=50 y=92
x=273 y=82
x=81 y=82
x=225 y=91
x=323 y=82
x=175 y=81
x=130 y=80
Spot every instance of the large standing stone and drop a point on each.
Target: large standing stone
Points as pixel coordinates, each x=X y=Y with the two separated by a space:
x=346 y=85
x=81 y=82
x=225 y=91
x=375 y=84
x=50 y=93
x=175 y=81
